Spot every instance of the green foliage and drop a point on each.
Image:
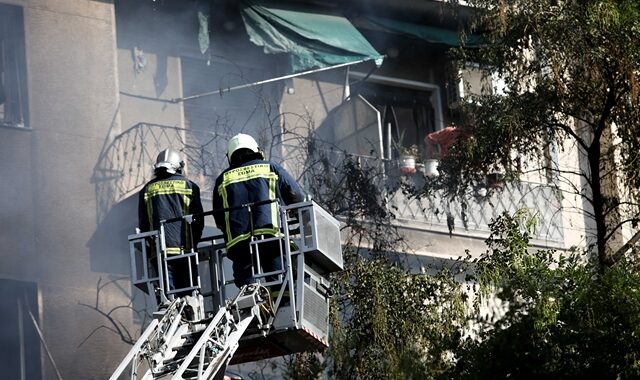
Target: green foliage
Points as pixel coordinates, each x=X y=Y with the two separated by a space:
x=572 y=72
x=390 y=322
x=302 y=366
x=564 y=317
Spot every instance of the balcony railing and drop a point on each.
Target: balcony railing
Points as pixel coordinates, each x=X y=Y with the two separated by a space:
x=473 y=215
x=468 y=216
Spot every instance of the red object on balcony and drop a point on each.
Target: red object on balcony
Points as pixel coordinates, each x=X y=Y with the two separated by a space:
x=447 y=136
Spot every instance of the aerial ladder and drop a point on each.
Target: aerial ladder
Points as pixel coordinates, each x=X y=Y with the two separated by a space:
x=197 y=331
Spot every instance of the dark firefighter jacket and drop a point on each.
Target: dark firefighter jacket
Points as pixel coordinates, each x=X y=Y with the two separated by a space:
x=254 y=181
x=169 y=196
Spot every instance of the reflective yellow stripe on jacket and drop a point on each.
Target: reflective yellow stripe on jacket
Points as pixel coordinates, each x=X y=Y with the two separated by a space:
x=169 y=187
x=247 y=173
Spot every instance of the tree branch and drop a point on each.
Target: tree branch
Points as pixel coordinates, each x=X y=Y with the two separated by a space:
x=568 y=130
x=618 y=226
x=620 y=252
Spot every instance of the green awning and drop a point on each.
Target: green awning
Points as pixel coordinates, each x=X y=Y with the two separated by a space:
x=427 y=33
x=313 y=39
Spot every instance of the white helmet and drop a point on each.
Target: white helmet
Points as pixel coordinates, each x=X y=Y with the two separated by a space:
x=170 y=160
x=241 y=141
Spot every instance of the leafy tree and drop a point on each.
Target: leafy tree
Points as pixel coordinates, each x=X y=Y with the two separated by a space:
x=306 y=365
x=572 y=74
x=393 y=323
x=385 y=320
x=571 y=70
x=559 y=323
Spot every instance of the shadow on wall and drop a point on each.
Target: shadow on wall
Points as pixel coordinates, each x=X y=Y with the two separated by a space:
x=109 y=247
x=126 y=162
x=125 y=165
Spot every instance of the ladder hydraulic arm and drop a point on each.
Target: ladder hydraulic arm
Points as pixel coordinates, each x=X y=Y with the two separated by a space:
x=174 y=346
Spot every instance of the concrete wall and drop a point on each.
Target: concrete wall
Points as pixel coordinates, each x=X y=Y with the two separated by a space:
x=73 y=102
x=148 y=64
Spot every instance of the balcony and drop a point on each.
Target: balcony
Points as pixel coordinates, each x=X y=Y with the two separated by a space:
x=472 y=217
x=126 y=161
x=469 y=216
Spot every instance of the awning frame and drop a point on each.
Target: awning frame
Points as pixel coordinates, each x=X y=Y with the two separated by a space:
x=258 y=83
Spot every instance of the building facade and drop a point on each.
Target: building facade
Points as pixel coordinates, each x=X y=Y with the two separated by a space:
x=92 y=90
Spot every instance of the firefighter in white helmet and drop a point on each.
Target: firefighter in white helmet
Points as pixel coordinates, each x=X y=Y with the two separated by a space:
x=170 y=195
x=250 y=179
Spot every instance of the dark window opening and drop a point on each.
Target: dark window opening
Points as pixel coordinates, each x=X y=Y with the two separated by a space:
x=20 y=349
x=407 y=115
x=13 y=89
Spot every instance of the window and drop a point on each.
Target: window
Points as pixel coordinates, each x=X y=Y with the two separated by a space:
x=13 y=91
x=20 y=349
x=408 y=111
x=472 y=80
